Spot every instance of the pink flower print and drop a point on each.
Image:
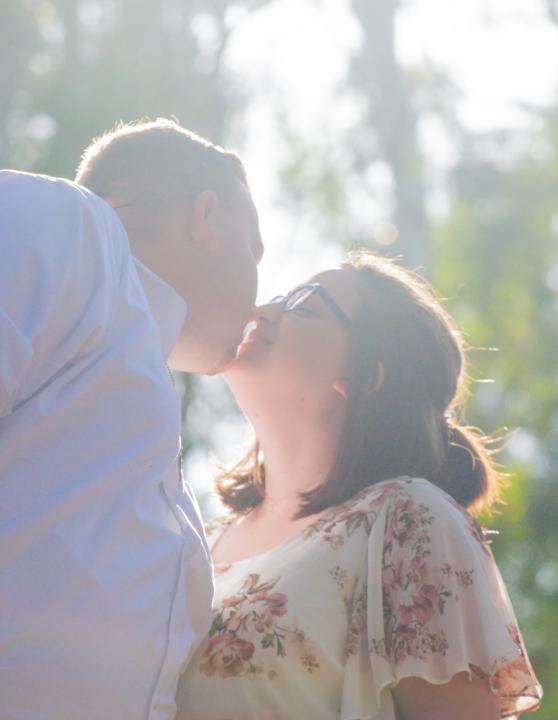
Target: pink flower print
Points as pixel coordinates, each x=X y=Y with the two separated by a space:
x=403 y=643
x=233 y=601
x=464 y=577
x=405 y=614
x=272 y=605
x=228 y=656
x=309 y=661
x=336 y=541
x=356 y=612
x=403 y=520
x=250 y=582
x=251 y=613
x=413 y=588
x=425 y=603
x=275 y=602
x=263 y=622
x=339 y=576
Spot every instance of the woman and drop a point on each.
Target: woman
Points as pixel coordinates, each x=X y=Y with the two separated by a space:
x=351 y=582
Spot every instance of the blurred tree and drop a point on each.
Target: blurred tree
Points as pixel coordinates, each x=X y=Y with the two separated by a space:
x=19 y=38
x=378 y=156
x=102 y=60
x=497 y=260
x=391 y=113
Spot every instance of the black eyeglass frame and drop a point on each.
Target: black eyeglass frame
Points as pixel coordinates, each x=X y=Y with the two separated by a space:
x=313 y=289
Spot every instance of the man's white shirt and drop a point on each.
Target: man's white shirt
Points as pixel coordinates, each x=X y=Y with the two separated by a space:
x=105 y=580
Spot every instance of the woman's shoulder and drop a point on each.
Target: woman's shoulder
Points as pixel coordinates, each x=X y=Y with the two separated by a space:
x=356 y=514
x=420 y=515
x=409 y=501
x=415 y=490
x=419 y=490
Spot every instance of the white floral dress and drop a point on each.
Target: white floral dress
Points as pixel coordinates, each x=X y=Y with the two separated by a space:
x=398 y=581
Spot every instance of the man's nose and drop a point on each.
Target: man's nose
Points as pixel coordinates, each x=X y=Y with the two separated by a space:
x=258 y=249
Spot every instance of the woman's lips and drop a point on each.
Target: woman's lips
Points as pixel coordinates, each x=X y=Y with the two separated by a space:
x=253 y=333
x=253 y=336
x=250 y=326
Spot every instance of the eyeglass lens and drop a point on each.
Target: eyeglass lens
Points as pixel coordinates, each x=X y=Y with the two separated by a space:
x=298 y=297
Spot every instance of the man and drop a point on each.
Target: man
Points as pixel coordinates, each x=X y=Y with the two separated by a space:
x=105 y=583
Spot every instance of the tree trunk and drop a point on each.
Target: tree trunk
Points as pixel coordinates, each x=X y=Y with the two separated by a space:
x=379 y=76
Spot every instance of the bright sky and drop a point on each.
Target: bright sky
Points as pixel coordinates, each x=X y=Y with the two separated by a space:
x=293 y=56
x=501 y=53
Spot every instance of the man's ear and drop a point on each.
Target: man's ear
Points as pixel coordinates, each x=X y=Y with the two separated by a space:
x=204 y=219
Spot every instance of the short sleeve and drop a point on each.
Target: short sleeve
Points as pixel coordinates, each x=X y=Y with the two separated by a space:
x=16 y=352
x=436 y=605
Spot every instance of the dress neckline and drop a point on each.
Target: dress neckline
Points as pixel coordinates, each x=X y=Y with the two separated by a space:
x=331 y=511
x=279 y=546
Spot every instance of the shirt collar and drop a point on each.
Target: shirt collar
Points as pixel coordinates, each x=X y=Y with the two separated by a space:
x=166 y=305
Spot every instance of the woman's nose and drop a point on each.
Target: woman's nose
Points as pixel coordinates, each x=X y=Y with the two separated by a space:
x=270 y=312
x=265 y=319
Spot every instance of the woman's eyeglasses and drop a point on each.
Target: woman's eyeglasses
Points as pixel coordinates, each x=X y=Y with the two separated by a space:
x=300 y=295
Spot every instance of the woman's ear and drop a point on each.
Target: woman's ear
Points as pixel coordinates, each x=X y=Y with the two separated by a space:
x=340 y=387
x=204 y=217
x=380 y=377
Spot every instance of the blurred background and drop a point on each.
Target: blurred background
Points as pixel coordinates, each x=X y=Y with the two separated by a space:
x=421 y=128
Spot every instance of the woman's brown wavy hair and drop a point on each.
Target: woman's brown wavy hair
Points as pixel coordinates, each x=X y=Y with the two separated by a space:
x=411 y=424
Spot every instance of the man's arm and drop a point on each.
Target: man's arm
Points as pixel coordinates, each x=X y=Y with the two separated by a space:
x=50 y=263
x=16 y=352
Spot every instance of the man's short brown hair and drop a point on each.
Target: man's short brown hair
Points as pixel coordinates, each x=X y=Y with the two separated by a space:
x=156 y=161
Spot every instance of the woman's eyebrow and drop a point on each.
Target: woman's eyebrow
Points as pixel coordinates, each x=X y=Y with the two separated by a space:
x=317 y=305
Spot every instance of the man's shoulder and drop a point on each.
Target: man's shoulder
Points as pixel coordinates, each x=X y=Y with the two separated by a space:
x=56 y=225
x=25 y=183
x=27 y=196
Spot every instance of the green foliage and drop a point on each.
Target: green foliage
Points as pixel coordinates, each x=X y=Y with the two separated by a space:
x=82 y=66
x=495 y=259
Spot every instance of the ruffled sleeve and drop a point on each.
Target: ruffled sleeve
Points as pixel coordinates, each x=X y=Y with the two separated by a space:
x=434 y=604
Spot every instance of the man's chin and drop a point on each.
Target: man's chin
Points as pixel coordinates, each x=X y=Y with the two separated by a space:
x=205 y=363
x=226 y=361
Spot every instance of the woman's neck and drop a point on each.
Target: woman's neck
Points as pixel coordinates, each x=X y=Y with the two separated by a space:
x=298 y=453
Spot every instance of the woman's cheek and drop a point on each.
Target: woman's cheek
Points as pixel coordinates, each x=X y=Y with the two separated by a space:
x=307 y=355
x=319 y=364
